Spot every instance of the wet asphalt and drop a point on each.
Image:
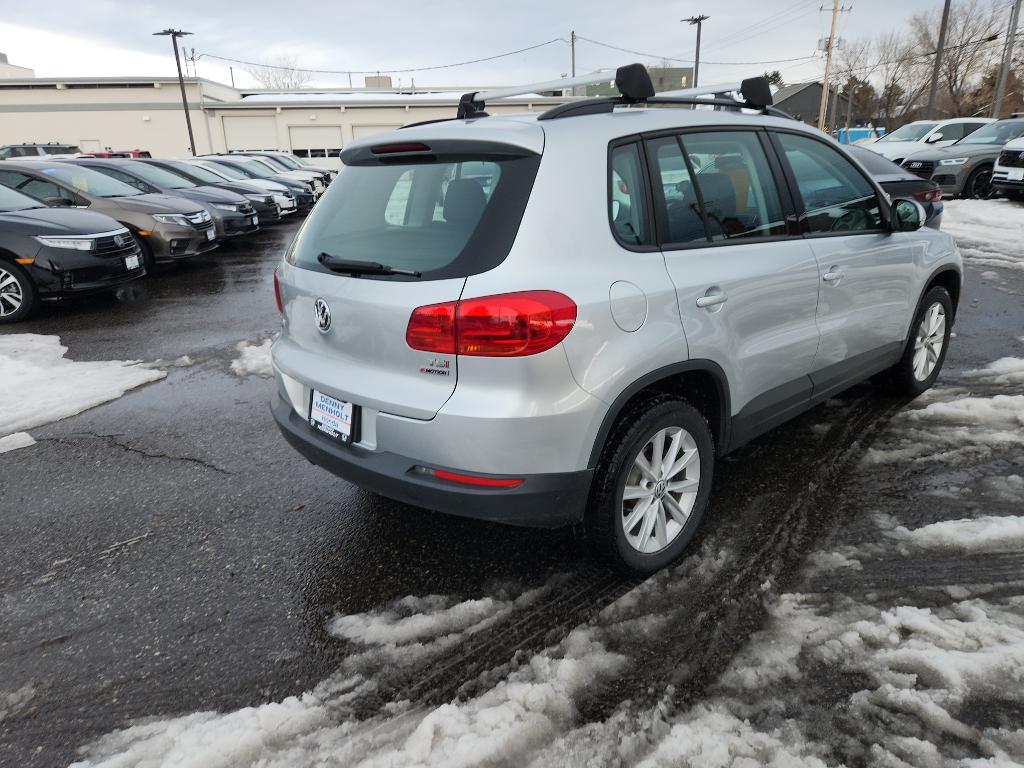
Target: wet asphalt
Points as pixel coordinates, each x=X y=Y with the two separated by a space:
x=167 y=552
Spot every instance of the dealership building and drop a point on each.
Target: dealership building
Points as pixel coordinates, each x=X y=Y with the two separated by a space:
x=102 y=113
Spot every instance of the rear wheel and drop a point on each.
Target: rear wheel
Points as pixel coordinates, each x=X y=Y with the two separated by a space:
x=651 y=486
x=17 y=293
x=979 y=184
x=922 y=360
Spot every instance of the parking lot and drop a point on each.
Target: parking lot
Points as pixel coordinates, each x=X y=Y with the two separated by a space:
x=171 y=564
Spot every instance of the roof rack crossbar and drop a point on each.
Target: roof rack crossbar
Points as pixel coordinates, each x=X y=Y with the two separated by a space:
x=605 y=105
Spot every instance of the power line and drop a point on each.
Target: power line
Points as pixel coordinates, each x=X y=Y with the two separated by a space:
x=686 y=61
x=768 y=22
x=386 y=70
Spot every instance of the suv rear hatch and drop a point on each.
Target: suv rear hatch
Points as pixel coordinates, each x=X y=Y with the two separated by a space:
x=403 y=226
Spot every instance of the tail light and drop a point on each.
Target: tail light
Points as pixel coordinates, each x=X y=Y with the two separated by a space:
x=476 y=480
x=505 y=325
x=277 y=293
x=928 y=196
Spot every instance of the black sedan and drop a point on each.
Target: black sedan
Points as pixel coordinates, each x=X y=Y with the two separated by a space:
x=48 y=253
x=899 y=182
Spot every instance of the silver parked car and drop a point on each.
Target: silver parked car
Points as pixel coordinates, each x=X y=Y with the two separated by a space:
x=567 y=318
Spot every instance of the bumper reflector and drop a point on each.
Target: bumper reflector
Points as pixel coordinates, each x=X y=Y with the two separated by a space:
x=476 y=480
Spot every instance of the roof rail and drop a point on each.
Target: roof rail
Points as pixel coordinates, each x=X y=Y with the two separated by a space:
x=635 y=87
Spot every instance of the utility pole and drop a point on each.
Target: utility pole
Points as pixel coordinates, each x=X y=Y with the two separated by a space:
x=174 y=34
x=698 y=20
x=1004 y=69
x=933 y=93
x=232 y=71
x=830 y=44
x=572 y=46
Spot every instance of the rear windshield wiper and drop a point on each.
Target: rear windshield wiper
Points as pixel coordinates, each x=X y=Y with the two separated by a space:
x=346 y=266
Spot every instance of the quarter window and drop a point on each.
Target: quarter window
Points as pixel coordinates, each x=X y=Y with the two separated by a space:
x=836 y=197
x=627 y=200
x=683 y=217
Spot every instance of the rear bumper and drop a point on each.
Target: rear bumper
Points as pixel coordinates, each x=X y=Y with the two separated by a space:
x=542 y=501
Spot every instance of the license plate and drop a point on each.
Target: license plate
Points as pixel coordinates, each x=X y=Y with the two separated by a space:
x=210 y=234
x=332 y=417
x=1015 y=174
x=131 y=262
x=254 y=220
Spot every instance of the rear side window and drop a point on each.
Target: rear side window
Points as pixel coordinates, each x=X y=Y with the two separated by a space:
x=627 y=197
x=836 y=196
x=684 y=220
x=442 y=217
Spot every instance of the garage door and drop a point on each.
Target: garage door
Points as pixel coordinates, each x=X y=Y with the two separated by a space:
x=315 y=140
x=250 y=133
x=361 y=131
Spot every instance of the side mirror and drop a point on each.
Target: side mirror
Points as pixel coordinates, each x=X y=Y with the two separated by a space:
x=57 y=202
x=907 y=215
x=933 y=138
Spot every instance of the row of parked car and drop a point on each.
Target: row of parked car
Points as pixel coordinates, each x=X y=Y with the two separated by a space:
x=966 y=157
x=81 y=224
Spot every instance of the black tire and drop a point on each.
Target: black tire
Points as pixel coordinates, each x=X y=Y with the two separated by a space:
x=1014 y=194
x=147 y=254
x=22 y=290
x=603 y=521
x=902 y=377
x=979 y=184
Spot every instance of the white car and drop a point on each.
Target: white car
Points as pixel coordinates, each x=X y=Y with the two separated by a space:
x=915 y=136
x=1008 y=173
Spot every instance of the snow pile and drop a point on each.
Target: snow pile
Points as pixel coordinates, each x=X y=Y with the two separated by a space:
x=1006 y=370
x=989 y=232
x=51 y=387
x=12 y=703
x=16 y=441
x=981 y=534
x=253 y=359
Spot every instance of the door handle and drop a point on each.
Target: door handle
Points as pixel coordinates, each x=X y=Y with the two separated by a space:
x=712 y=300
x=834 y=275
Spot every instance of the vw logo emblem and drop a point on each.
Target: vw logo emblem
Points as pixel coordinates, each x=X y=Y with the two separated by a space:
x=120 y=240
x=660 y=489
x=323 y=315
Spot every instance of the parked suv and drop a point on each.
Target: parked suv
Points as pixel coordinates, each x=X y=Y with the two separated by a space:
x=166 y=228
x=965 y=169
x=1008 y=173
x=232 y=214
x=921 y=134
x=37 y=150
x=568 y=317
x=49 y=253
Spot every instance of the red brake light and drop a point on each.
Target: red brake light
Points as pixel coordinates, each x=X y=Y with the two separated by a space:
x=277 y=293
x=928 y=196
x=483 y=482
x=432 y=329
x=390 y=149
x=505 y=325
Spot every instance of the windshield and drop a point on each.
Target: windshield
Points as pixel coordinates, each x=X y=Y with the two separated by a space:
x=247 y=169
x=227 y=171
x=60 y=149
x=995 y=133
x=440 y=218
x=12 y=200
x=89 y=181
x=264 y=163
x=276 y=162
x=909 y=132
x=288 y=162
x=158 y=177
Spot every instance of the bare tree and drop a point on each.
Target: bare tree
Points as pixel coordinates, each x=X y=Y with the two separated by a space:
x=971 y=48
x=900 y=75
x=282 y=75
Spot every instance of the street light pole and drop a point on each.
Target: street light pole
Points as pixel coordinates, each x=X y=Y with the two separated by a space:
x=937 y=66
x=1004 y=69
x=698 y=20
x=174 y=34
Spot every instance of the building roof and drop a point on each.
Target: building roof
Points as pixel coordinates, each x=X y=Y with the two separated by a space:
x=788 y=91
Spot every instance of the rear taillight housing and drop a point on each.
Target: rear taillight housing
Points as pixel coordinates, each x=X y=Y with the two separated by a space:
x=928 y=196
x=505 y=325
x=277 y=293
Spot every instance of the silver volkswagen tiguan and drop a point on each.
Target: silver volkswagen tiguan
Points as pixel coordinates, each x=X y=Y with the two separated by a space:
x=567 y=317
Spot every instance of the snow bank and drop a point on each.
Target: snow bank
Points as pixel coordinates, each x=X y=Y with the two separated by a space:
x=12 y=703
x=16 y=441
x=253 y=359
x=53 y=387
x=989 y=232
x=981 y=534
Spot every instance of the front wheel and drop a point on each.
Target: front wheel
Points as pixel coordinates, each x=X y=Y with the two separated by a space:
x=651 y=486
x=17 y=293
x=926 y=349
x=148 y=261
x=979 y=184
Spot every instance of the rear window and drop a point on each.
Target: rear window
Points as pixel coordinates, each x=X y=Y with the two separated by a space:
x=448 y=217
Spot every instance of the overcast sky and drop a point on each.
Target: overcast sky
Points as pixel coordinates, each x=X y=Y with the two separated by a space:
x=111 y=38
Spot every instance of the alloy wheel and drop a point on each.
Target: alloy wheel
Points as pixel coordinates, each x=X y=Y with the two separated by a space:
x=931 y=335
x=981 y=185
x=661 y=489
x=11 y=293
